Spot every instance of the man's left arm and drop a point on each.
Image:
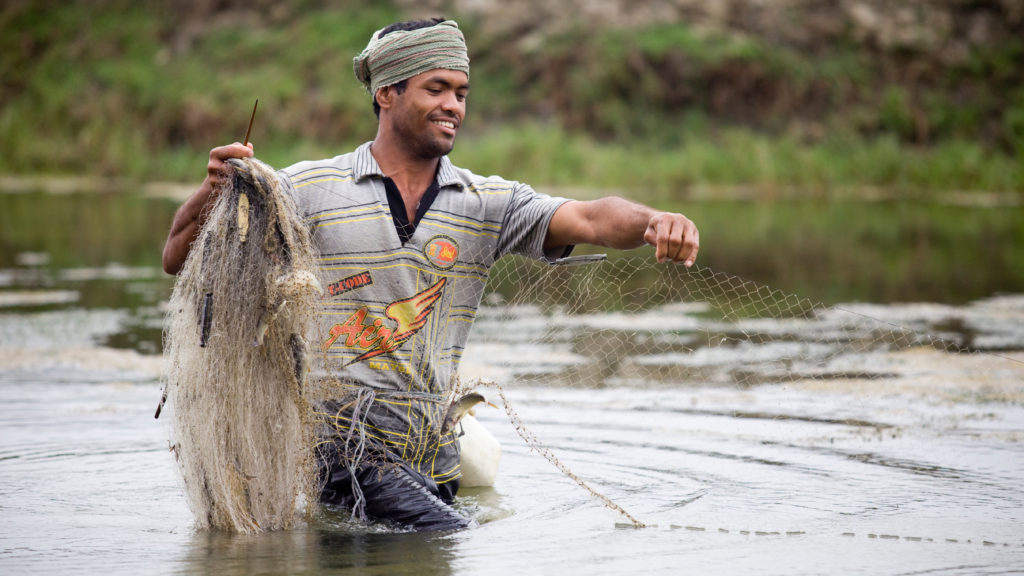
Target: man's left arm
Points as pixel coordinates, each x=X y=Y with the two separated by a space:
x=620 y=224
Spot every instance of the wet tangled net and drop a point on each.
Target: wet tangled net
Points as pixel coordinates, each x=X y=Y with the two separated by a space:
x=236 y=358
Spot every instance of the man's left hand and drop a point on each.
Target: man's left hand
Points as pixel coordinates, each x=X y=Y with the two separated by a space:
x=675 y=238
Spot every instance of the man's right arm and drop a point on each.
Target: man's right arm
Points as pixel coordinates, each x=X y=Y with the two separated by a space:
x=189 y=218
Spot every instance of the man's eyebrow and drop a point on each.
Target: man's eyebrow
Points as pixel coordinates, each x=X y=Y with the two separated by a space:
x=444 y=82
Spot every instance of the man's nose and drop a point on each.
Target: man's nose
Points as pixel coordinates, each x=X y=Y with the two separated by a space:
x=451 y=103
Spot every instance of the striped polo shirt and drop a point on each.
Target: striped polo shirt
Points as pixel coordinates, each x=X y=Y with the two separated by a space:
x=396 y=316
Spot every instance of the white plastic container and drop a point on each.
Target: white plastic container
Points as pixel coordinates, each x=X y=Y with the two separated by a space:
x=481 y=454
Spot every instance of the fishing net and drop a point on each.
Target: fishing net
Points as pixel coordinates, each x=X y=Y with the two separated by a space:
x=243 y=425
x=634 y=324
x=630 y=322
x=236 y=358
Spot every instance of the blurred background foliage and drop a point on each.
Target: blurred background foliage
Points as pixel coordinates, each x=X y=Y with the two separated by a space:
x=667 y=96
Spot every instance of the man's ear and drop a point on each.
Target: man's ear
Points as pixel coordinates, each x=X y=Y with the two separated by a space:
x=385 y=96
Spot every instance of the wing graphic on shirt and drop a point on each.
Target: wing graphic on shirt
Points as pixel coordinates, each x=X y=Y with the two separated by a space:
x=411 y=315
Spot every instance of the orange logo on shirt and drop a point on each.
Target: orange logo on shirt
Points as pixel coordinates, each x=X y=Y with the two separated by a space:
x=374 y=337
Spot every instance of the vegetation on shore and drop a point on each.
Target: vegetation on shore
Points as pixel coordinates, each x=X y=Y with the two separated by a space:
x=142 y=90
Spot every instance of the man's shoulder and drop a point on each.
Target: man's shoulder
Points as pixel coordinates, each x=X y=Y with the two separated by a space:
x=478 y=184
x=341 y=165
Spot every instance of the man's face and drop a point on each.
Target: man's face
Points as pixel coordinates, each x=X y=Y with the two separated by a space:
x=427 y=115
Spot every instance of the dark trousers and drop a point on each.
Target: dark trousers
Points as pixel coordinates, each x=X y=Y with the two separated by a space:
x=388 y=489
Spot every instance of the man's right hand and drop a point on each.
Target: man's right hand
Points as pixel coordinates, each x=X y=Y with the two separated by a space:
x=189 y=218
x=217 y=168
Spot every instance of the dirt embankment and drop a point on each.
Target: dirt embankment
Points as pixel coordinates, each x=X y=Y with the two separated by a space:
x=923 y=69
x=947 y=29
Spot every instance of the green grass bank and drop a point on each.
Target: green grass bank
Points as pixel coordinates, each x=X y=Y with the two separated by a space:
x=142 y=90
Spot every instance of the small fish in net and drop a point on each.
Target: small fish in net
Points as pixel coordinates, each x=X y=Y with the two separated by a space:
x=237 y=360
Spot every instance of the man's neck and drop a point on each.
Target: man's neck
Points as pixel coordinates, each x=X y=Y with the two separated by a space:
x=412 y=175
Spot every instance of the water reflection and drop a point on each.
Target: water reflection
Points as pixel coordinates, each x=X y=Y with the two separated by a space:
x=320 y=548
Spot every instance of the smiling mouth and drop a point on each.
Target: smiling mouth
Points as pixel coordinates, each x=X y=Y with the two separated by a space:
x=445 y=124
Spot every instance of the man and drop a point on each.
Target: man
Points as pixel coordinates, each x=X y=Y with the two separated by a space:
x=405 y=241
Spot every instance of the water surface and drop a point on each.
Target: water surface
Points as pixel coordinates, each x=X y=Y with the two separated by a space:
x=894 y=458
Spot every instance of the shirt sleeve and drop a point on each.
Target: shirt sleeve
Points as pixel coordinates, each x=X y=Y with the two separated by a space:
x=526 y=224
x=286 y=183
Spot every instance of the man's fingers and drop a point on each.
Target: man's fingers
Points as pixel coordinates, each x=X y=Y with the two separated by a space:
x=674 y=237
x=684 y=241
x=692 y=245
x=235 y=150
x=219 y=156
x=663 y=250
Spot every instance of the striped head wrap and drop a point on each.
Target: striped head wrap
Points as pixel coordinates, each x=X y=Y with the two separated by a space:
x=403 y=54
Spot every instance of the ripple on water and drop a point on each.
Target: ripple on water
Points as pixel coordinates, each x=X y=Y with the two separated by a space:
x=916 y=471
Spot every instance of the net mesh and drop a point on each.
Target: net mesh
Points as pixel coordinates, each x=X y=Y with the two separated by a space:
x=630 y=322
x=236 y=359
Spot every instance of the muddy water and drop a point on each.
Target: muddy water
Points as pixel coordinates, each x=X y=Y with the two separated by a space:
x=917 y=471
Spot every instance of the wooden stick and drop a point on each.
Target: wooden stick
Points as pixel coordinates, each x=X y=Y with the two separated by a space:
x=251 y=118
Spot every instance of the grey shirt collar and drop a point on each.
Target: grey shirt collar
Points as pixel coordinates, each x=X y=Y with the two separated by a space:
x=365 y=165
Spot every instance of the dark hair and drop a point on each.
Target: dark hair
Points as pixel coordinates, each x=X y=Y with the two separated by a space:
x=405 y=27
x=411 y=25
